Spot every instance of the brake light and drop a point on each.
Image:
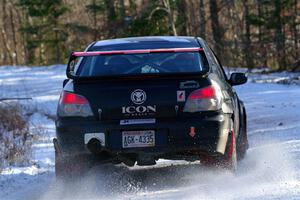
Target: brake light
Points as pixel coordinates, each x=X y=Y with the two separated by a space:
x=73 y=105
x=204 y=99
x=204 y=93
x=71 y=98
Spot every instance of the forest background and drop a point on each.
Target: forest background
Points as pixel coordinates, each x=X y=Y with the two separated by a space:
x=243 y=33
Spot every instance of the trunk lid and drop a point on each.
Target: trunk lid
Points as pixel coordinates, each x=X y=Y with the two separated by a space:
x=138 y=99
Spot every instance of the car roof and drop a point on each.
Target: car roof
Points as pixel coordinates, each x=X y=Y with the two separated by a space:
x=149 y=42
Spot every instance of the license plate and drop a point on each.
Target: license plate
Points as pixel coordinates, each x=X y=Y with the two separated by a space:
x=138 y=139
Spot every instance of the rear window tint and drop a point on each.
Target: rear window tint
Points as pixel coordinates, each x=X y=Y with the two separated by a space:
x=134 y=64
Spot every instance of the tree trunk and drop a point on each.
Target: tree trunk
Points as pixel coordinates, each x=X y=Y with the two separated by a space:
x=279 y=36
x=294 y=30
x=247 y=38
x=23 y=18
x=194 y=24
x=262 y=49
x=202 y=32
x=132 y=6
x=95 y=34
x=111 y=18
x=182 y=17
x=188 y=22
x=14 y=37
x=4 y=35
x=122 y=9
x=170 y=16
x=216 y=29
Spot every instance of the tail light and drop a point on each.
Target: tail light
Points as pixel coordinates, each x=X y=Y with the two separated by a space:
x=204 y=99
x=73 y=105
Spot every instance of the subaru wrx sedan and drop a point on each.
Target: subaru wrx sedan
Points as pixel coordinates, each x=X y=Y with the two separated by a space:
x=140 y=99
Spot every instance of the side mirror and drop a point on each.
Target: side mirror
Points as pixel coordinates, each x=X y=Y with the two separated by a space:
x=237 y=79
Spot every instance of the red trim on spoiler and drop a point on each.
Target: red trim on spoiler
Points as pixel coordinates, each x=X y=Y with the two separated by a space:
x=137 y=51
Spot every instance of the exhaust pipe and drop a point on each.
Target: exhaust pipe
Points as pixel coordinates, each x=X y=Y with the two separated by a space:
x=94 y=146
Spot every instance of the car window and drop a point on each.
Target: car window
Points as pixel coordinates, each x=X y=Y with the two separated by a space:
x=149 y=63
x=218 y=67
x=215 y=64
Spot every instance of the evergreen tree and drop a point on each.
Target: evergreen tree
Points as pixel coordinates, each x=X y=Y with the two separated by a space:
x=242 y=33
x=155 y=20
x=44 y=32
x=272 y=17
x=96 y=8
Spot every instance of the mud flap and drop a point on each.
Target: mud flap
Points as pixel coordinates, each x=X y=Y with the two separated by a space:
x=223 y=137
x=59 y=166
x=228 y=160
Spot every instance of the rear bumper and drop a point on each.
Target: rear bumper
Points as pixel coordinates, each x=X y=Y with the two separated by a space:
x=171 y=136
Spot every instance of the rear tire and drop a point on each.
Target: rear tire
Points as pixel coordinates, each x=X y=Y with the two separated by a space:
x=242 y=141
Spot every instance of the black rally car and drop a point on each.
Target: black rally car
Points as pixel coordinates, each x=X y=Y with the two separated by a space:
x=136 y=100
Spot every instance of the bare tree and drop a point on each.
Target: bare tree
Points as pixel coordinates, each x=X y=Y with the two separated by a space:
x=7 y=53
x=279 y=35
x=166 y=8
x=182 y=15
x=247 y=39
x=202 y=20
x=14 y=36
x=216 y=28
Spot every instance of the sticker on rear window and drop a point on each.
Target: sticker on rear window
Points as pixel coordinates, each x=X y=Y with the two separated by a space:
x=180 y=96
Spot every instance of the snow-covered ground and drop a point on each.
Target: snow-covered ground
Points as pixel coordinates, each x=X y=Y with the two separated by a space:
x=262 y=75
x=271 y=169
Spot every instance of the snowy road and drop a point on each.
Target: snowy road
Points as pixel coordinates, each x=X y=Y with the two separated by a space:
x=271 y=169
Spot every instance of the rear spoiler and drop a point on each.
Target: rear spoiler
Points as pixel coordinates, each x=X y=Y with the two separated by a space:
x=137 y=51
x=74 y=55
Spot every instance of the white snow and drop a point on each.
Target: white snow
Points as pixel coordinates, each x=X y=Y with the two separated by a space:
x=271 y=169
x=263 y=75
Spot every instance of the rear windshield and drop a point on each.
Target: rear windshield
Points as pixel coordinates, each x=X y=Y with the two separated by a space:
x=134 y=64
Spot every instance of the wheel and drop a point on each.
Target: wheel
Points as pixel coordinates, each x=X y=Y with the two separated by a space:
x=242 y=141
